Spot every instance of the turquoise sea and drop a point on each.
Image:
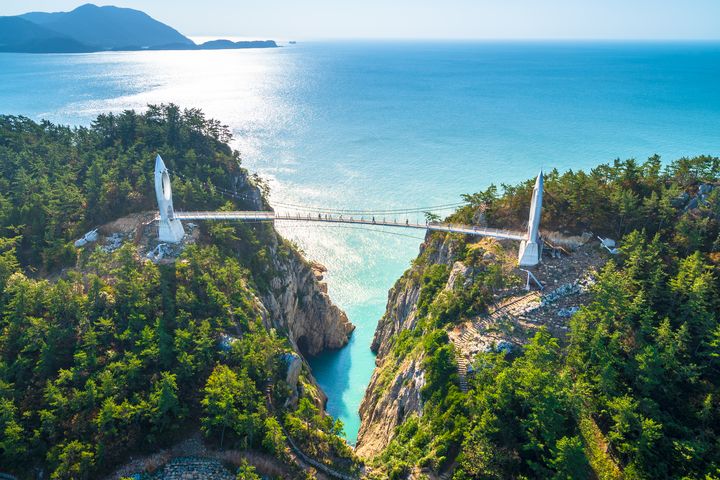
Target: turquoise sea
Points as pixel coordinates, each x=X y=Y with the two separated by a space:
x=377 y=125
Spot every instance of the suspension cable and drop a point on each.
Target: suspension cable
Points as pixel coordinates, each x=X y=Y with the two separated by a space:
x=318 y=209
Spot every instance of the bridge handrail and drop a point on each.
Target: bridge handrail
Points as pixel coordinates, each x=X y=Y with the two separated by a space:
x=272 y=216
x=471 y=228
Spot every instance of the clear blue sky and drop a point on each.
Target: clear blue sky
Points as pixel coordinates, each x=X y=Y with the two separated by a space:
x=501 y=19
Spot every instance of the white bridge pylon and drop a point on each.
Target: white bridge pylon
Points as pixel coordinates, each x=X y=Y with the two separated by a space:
x=170 y=226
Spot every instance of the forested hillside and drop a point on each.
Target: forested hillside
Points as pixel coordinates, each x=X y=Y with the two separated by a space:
x=631 y=391
x=106 y=354
x=57 y=182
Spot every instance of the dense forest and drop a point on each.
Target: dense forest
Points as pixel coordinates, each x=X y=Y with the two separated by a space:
x=632 y=391
x=58 y=182
x=105 y=354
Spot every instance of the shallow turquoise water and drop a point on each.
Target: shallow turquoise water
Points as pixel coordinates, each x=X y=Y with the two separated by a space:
x=390 y=125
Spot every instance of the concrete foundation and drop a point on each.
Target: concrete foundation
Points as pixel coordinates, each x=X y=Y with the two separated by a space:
x=171 y=231
x=529 y=254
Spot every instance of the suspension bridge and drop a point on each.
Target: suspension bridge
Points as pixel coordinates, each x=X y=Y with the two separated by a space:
x=170 y=228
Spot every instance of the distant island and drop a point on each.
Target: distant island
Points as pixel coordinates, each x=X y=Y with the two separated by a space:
x=91 y=28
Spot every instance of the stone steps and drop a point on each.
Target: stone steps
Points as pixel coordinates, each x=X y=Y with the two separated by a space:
x=462 y=373
x=470 y=333
x=193 y=468
x=509 y=310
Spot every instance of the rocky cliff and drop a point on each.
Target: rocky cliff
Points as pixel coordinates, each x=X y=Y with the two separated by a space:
x=394 y=390
x=512 y=317
x=385 y=406
x=400 y=313
x=297 y=301
x=298 y=304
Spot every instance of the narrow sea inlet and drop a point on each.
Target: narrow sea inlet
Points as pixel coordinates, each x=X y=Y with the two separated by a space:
x=385 y=126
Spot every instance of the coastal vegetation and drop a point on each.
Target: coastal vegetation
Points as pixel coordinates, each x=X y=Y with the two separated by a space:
x=103 y=353
x=630 y=392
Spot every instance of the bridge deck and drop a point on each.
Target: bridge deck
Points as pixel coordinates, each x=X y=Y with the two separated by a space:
x=272 y=216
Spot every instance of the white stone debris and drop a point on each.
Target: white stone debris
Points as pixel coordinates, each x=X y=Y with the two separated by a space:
x=112 y=243
x=89 y=237
x=577 y=287
x=609 y=245
x=159 y=252
x=562 y=291
x=568 y=312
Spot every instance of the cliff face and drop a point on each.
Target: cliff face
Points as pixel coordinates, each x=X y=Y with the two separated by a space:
x=299 y=304
x=400 y=313
x=384 y=407
x=394 y=390
x=394 y=393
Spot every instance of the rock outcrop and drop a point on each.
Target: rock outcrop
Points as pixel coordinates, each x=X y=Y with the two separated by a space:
x=385 y=407
x=298 y=304
x=297 y=301
x=400 y=314
x=403 y=296
x=394 y=390
x=294 y=365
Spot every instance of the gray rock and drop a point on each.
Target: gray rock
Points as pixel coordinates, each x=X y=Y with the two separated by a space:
x=459 y=271
x=226 y=341
x=681 y=200
x=567 y=312
x=298 y=304
x=293 y=363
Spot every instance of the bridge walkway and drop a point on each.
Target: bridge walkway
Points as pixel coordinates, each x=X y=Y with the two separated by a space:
x=268 y=216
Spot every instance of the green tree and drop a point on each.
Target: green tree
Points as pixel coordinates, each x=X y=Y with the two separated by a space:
x=222 y=410
x=166 y=412
x=232 y=401
x=246 y=472
x=75 y=460
x=274 y=440
x=570 y=461
x=13 y=446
